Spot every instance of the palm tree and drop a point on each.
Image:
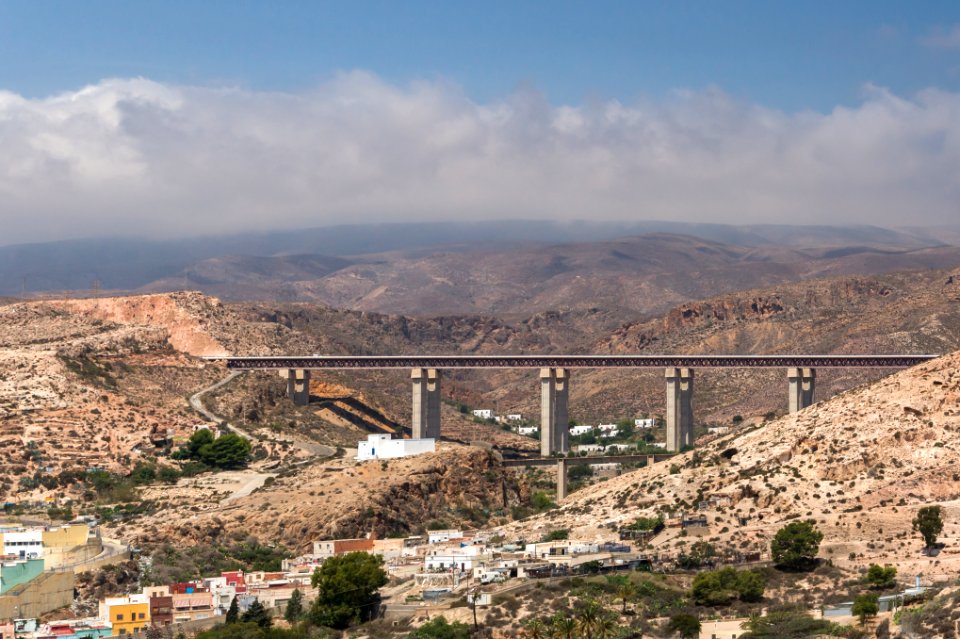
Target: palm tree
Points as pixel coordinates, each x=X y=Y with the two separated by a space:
x=563 y=627
x=625 y=591
x=535 y=629
x=606 y=627
x=587 y=619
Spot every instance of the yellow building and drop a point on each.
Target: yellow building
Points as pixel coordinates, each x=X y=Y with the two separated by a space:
x=69 y=536
x=126 y=615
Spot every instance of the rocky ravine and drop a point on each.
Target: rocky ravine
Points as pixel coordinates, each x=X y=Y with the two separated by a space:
x=860 y=465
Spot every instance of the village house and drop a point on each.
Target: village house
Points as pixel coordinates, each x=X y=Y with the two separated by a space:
x=645 y=423
x=580 y=429
x=528 y=430
x=483 y=413
x=385 y=447
x=125 y=615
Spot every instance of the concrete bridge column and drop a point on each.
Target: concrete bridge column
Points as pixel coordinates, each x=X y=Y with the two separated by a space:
x=561 y=478
x=298 y=385
x=554 y=417
x=801 y=382
x=426 y=403
x=679 y=413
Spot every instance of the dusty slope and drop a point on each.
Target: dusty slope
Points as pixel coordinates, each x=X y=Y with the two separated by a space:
x=347 y=499
x=859 y=464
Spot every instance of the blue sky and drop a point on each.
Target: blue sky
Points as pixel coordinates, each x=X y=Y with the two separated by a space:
x=786 y=55
x=178 y=118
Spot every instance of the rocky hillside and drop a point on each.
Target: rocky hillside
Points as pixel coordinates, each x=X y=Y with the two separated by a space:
x=860 y=465
x=455 y=486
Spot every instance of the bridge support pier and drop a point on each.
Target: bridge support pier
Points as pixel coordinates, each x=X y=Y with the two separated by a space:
x=554 y=418
x=561 y=478
x=426 y=403
x=801 y=383
x=298 y=385
x=679 y=413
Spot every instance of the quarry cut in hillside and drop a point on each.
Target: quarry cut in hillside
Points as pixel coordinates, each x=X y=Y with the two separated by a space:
x=859 y=465
x=451 y=487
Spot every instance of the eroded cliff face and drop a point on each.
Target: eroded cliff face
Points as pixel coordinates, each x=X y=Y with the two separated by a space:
x=378 y=498
x=186 y=317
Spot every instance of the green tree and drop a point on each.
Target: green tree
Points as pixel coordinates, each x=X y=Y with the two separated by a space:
x=143 y=473
x=685 y=625
x=440 y=628
x=535 y=629
x=795 y=546
x=199 y=439
x=701 y=552
x=625 y=592
x=881 y=577
x=750 y=586
x=347 y=589
x=233 y=612
x=227 y=451
x=257 y=613
x=929 y=523
x=294 y=607
x=865 y=605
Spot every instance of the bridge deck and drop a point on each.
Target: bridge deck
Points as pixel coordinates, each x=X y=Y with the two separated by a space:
x=572 y=361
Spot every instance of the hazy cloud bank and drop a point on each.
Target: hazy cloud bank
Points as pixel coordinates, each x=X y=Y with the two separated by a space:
x=135 y=156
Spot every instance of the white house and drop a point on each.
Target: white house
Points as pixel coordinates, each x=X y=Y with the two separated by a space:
x=619 y=447
x=23 y=543
x=527 y=430
x=383 y=447
x=718 y=430
x=581 y=429
x=458 y=558
x=645 y=423
x=588 y=448
x=547 y=549
x=443 y=536
x=515 y=417
x=607 y=427
x=613 y=432
x=483 y=413
x=658 y=444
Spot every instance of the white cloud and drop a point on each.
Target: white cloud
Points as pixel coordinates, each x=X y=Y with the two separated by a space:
x=138 y=157
x=943 y=37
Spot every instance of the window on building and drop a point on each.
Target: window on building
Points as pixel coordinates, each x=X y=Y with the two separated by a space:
x=119 y=616
x=141 y=616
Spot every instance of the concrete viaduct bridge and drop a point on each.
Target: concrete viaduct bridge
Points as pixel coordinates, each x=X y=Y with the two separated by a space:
x=555 y=381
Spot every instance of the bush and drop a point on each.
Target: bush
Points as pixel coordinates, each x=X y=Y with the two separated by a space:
x=557 y=535
x=795 y=546
x=440 y=628
x=685 y=625
x=228 y=451
x=722 y=587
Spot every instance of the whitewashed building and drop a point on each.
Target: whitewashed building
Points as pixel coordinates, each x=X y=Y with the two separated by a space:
x=384 y=447
x=453 y=558
x=645 y=423
x=528 y=430
x=515 y=417
x=618 y=447
x=589 y=448
x=443 y=536
x=483 y=413
x=613 y=432
x=580 y=429
x=23 y=543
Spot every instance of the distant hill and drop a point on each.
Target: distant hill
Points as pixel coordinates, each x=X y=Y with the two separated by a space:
x=231 y=265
